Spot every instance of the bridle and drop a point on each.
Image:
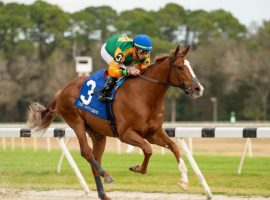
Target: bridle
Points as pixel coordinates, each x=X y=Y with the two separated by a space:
x=167 y=82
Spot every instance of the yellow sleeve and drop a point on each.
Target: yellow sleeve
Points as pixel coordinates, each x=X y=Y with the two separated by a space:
x=144 y=64
x=114 y=69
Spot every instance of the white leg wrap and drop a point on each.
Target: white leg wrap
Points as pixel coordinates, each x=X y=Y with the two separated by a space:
x=183 y=171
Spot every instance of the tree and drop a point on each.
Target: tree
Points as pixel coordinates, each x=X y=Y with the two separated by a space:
x=202 y=26
x=105 y=17
x=199 y=28
x=9 y=94
x=138 y=21
x=170 y=19
x=50 y=23
x=251 y=71
x=14 y=29
x=211 y=66
x=226 y=23
x=82 y=26
x=262 y=37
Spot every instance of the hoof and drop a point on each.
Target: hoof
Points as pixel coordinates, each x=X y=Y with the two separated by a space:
x=135 y=168
x=103 y=196
x=183 y=185
x=106 y=198
x=109 y=180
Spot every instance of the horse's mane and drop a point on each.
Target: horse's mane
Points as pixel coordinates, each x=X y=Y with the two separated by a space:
x=161 y=58
x=158 y=60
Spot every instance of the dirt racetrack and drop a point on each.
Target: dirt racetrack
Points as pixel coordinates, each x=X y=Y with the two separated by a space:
x=15 y=194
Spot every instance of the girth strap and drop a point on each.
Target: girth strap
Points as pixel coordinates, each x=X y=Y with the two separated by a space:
x=111 y=119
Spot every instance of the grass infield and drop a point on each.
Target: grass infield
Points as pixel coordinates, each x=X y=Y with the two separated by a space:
x=37 y=170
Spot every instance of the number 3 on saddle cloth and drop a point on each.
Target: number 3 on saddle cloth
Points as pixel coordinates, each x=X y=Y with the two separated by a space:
x=88 y=98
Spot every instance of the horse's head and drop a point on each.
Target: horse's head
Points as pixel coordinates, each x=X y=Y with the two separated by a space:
x=181 y=73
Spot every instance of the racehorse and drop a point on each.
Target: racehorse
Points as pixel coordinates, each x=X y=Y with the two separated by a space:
x=138 y=109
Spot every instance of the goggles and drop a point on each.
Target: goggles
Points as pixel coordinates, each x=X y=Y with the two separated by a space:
x=142 y=52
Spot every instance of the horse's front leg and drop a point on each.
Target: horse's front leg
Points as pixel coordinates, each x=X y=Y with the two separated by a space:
x=133 y=138
x=162 y=139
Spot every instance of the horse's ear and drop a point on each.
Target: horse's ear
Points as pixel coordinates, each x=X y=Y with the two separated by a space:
x=176 y=51
x=185 y=51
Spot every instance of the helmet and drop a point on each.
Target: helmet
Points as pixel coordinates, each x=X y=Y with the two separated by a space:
x=143 y=42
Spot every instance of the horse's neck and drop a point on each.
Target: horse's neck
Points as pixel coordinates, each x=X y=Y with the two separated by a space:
x=159 y=71
x=155 y=91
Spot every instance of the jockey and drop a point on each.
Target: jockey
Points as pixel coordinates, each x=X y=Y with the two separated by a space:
x=122 y=53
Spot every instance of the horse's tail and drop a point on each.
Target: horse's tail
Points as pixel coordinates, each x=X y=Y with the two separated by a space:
x=39 y=118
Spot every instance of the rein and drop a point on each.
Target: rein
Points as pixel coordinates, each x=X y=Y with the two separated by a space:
x=158 y=81
x=165 y=83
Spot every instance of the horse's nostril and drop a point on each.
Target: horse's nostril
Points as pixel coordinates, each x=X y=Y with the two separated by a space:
x=197 y=89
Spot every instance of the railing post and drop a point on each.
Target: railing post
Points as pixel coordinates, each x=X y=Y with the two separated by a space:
x=195 y=168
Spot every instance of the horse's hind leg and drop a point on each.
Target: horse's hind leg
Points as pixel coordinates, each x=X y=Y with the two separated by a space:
x=99 y=142
x=77 y=124
x=162 y=139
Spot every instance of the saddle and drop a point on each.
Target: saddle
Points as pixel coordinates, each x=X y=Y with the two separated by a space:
x=88 y=98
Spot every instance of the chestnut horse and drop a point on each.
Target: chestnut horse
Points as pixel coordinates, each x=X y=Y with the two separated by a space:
x=138 y=110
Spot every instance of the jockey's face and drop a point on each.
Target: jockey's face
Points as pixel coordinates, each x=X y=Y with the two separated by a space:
x=141 y=53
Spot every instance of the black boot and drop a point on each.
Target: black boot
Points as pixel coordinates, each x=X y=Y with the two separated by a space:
x=105 y=93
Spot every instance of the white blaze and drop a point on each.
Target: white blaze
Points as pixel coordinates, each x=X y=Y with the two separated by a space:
x=186 y=62
x=189 y=68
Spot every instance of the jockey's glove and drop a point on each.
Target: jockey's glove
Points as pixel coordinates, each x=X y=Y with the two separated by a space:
x=124 y=72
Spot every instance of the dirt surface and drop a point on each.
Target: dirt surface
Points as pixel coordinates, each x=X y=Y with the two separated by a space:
x=14 y=194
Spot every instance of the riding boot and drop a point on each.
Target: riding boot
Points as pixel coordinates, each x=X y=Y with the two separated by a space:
x=105 y=93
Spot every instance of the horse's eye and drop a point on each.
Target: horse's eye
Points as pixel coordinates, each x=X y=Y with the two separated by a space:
x=180 y=68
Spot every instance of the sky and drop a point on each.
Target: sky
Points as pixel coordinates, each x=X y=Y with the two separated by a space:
x=246 y=11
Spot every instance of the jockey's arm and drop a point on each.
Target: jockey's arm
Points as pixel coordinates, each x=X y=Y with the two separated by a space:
x=117 y=70
x=116 y=67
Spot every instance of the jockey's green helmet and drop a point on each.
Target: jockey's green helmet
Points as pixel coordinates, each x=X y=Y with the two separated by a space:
x=143 y=42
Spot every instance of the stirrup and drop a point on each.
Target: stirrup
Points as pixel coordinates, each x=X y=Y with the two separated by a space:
x=105 y=98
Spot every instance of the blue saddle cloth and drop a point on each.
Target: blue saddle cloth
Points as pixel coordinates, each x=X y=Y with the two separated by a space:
x=89 y=103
